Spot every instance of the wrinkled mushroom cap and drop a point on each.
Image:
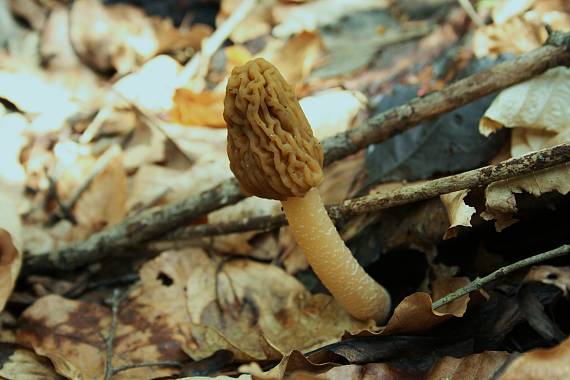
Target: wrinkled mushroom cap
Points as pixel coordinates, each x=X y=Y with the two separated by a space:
x=271 y=146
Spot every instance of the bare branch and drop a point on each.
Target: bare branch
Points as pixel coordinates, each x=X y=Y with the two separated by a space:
x=511 y=168
x=155 y=222
x=478 y=283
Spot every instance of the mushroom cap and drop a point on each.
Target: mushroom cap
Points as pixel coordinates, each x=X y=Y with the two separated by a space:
x=271 y=146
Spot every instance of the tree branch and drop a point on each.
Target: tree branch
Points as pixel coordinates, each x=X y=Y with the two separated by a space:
x=478 y=283
x=155 y=222
x=511 y=168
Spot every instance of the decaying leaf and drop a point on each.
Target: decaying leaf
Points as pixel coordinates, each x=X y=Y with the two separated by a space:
x=12 y=179
x=294 y=57
x=296 y=18
x=472 y=367
x=258 y=23
x=19 y=363
x=332 y=111
x=198 y=109
x=539 y=103
x=519 y=26
x=458 y=212
x=104 y=202
x=538 y=112
x=124 y=36
x=258 y=311
x=71 y=334
x=541 y=363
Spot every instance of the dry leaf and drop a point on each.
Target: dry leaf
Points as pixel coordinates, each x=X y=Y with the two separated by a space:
x=541 y=363
x=504 y=10
x=19 y=363
x=146 y=146
x=151 y=87
x=12 y=177
x=104 y=202
x=258 y=311
x=332 y=111
x=200 y=109
x=517 y=32
x=538 y=112
x=296 y=18
x=122 y=39
x=55 y=46
x=295 y=57
x=537 y=103
x=258 y=23
x=70 y=334
x=458 y=212
x=548 y=274
x=473 y=367
x=171 y=38
x=370 y=371
x=236 y=55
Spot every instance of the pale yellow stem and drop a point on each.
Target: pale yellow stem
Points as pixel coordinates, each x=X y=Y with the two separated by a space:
x=332 y=261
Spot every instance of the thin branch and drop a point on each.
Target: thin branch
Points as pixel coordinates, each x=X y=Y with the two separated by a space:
x=478 y=283
x=160 y=363
x=511 y=168
x=115 y=302
x=150 y=224
x=198 y=65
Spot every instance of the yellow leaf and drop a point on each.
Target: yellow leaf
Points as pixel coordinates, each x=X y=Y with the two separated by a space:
x=201 y=109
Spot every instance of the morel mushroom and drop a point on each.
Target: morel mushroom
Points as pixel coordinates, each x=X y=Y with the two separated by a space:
x=274 y=155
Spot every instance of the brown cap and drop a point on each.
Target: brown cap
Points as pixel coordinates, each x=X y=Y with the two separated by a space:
x=271 y=146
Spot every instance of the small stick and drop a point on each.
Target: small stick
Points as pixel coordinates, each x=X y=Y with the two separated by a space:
x=198 y=65
x=115 y=301
x=478 y=283
x=471 y=12
x=160 y=363
x=511 y=168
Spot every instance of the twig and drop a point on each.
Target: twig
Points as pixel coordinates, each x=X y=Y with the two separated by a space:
x=115 y=301
x=511 y=168
x=478 y=283
x=102 y=163
x=152 y=223
x=160 y=363
x=198 y=65
x=471 y=12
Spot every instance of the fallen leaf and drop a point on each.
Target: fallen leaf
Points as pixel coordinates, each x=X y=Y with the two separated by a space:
x=500 y=197
x=146 y=146
x=539 y=103
x=19 y=363
x=258 y=23
x=199 y=109
x=55 y=46
x=122 y=39
x=308 y=16
x=355 y=372
x=502 y=11
x=332 y=111
x=548 y=274
x=12 y=177
x=473 y=367
x=458 y=212
x=541 y=363
x=258 y=311
x=70 y=334
x=450 y=143
x=171 y=38
x=103 y=203
x=295 y=57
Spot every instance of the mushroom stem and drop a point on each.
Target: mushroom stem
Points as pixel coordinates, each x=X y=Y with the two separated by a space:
x=332 y=261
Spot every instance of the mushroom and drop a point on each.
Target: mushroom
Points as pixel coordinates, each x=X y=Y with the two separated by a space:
x=273 y=154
